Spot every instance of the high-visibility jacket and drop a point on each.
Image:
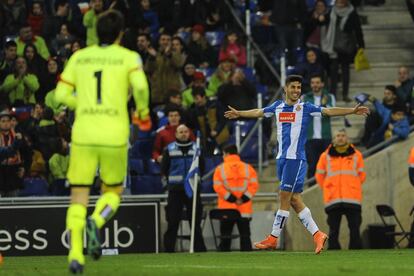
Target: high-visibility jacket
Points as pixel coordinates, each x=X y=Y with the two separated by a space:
x=234 y=177
x=340 y=175
x=180 y=163
x=411 y=166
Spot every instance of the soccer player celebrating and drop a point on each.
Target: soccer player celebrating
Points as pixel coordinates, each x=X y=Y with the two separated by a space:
x=100 y=75
x=292 y=118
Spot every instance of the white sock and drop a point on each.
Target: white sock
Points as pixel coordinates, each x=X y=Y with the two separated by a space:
x=280 y=221
x=305 y=217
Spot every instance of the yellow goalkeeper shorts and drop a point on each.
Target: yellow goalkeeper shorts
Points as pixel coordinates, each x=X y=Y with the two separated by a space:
x=84 y=161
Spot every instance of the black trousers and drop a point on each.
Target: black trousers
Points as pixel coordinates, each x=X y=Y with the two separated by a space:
x=314 y=149
x=226 y=228
x=176 y=201
x=344 y=61
x=353 y=216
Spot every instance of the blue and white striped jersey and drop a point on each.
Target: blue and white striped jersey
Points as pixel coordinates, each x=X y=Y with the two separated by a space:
x=292 y=122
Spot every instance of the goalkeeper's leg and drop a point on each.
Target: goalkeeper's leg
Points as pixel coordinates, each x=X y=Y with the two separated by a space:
x=75 y=223
x=105 y=208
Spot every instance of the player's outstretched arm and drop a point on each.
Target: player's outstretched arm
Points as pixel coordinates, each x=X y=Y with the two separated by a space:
x=140 y=91
x=342 y=111
x=234 y=114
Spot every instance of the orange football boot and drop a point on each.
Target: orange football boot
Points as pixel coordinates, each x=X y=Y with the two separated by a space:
x=269 y=243
x=320 y=239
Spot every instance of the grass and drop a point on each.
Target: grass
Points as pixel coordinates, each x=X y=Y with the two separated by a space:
x=363 y=262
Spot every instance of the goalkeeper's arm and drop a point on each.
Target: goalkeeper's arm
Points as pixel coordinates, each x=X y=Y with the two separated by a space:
x=140 y=92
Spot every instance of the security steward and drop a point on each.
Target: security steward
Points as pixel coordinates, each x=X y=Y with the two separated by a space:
x=340 y=174
x=175 y=164
x=235 y=183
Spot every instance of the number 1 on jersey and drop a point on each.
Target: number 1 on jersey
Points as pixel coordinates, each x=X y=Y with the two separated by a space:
x=98 y=76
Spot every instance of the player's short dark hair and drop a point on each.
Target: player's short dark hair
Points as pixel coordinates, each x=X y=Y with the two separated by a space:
x=316 y=75
x=110 y=24
x=10 y=43
x=200 y=91
x=230 y=149
x=293 y=78
x=391 y=88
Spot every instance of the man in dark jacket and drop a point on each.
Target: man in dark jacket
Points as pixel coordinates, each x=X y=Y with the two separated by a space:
x=176 y=162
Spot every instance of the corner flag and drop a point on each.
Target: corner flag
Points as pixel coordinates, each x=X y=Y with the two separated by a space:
x=192 y=175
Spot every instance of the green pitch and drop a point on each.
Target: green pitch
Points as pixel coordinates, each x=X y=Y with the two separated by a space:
x=364 y=262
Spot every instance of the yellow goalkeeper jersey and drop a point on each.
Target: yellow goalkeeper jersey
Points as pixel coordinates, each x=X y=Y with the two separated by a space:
x=95 y=83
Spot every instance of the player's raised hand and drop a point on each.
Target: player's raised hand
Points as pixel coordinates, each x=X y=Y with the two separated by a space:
x=361 y=110
x=232 y=113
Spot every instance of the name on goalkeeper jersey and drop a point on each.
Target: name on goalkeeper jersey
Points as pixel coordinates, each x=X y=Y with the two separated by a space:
x=99 y=111
x=100 y=61
x=287 y=117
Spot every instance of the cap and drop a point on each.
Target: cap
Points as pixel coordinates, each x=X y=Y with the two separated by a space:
x=198 y=76
x=198 y=28
x=5 y=113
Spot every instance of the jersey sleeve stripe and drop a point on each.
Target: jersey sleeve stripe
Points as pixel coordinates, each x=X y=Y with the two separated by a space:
x=66 y=82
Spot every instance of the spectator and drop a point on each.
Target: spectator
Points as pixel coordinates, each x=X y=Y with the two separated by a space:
x=199 y=81
x=312 y=30
x=235 y=183
x=404 y=84
x=188 y=73
x=340 y=174
x=319 y=130
x=11 y=168
x=143 y=46
x=233 y=48
x=341 y=38
x=36 y=18
x=312 y=66
x=164 y=69
x=191 y=13
x=29 y=126
x=221 y=75
x=26 y=37
x=393 y=122
x=373 y=120
x=8 y=61
x=289 y=18
x=53 y=23
x=52 y=77
x=208 y=118
x=176 y=162
x=150 y=16
x=166 y=134
x=200 y=52
x=63 y=39
x=59 y=162
x=238 y=92
x=175 y=99
x=47 y=135
x=89 y=21
x=20 y=86
x=37 y=66
x=14 y=16
x=11 y=150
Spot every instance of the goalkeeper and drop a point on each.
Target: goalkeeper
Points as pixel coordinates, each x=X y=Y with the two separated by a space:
x=100 y=75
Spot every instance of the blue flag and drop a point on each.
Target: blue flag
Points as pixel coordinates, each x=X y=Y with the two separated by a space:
x=193 y=172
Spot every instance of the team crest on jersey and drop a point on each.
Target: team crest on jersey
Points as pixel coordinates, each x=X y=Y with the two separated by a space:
x=298 y=108
x=287 y=117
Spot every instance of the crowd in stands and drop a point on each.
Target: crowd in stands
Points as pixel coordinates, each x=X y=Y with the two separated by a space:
x=195 y=60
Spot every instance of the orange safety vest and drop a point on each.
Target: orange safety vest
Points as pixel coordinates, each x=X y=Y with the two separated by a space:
x=237 y=178
x=341 y=177
x=411 y=158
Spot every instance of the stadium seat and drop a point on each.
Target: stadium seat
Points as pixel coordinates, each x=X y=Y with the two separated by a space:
x=146 y=184
x=60 y=188
x=210 y=163
x=142 y=148
x=184 y=36
x=215 y=38
x=249 y=73
x=136 y=166
x=386 y=211
x=220 y=215
x=35 y=187
x=153 y=167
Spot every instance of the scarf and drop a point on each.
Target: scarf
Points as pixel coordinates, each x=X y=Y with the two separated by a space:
x=328 y=32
